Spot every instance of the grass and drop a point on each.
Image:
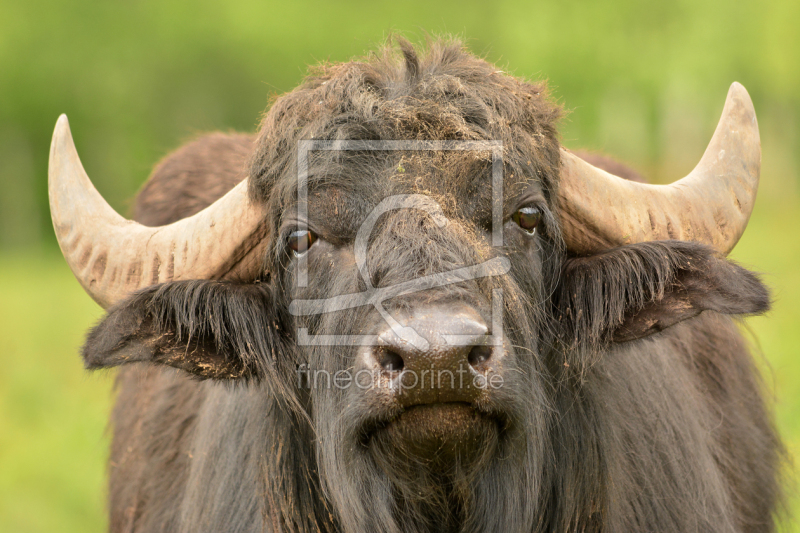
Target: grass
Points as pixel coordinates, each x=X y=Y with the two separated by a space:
x=53 y=414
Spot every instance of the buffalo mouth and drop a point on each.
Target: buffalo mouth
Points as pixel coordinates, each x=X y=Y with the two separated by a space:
x=440 y=432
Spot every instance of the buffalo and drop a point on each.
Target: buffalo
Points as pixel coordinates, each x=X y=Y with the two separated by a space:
x=403 y=306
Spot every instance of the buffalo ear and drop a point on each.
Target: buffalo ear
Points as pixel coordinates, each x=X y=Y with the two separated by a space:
x=212 y=329
x=635 y=291
x=718 y=285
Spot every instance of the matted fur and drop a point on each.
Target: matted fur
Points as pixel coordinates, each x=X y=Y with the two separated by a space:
x=631 y=403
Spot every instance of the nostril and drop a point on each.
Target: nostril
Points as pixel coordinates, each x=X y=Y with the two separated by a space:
x=391 y=361
x=479 y=355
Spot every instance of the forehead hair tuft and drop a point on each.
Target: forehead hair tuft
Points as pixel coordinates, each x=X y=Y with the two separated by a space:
x=406 y=92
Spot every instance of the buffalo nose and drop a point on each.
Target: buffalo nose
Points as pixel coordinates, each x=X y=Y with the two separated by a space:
x=436 y=355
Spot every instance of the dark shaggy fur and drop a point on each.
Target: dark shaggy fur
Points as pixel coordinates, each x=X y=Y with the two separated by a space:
x=630 y=401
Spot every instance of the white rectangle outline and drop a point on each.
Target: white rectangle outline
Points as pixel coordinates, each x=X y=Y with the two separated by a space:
x=306 y=146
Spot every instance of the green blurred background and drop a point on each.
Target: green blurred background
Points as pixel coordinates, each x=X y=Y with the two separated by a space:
x=644 y=81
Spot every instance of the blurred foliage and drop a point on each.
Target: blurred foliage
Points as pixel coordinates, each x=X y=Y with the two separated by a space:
x=137 y=77
x=644 y=81
x=52 y=413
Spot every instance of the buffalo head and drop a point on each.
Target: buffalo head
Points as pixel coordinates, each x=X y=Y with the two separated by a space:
x=422 y=281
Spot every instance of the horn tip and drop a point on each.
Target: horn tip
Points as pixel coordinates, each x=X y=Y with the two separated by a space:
x=62 y=127
x=738 y=93
x=736 y=86
x=60 y=132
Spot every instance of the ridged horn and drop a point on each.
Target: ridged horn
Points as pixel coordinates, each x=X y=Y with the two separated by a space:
x=711 y=205
x=112 y=256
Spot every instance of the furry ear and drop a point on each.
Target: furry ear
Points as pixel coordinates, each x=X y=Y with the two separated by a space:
x=635 y=291
x=212 y=329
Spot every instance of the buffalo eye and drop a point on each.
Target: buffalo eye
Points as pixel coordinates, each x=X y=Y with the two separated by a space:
x=527 y=218
x=301 y=240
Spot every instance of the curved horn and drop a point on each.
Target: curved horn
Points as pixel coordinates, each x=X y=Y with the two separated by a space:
x=112 y=256
x=711 y=205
